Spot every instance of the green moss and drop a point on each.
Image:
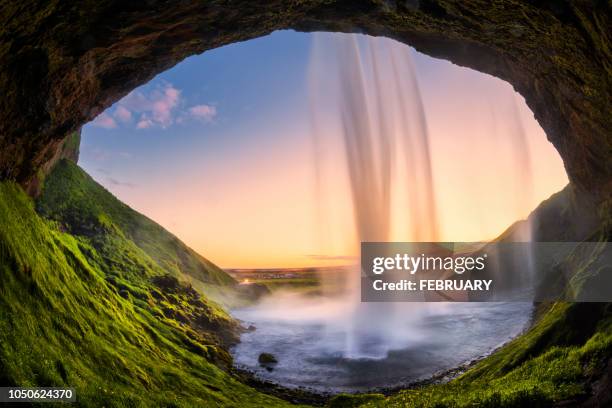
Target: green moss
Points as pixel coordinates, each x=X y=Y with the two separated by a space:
x=72 y=144
x=85 y=208
x=88 y=300
x=67 y=320
x=350 y=400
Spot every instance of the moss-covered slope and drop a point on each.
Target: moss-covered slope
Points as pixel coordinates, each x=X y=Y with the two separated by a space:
x=98 y=314
x=71 y=197
x=87 y=301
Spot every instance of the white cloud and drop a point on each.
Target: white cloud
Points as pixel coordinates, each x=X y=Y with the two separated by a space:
x=104 y=120
x=144 y=123
x=149 y=107
x=203 y=112
x=120 y=183
x=156 y=108
x=123 y=114
x=162 y=108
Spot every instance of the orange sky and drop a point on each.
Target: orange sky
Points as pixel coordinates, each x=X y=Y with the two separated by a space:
x=262 y=209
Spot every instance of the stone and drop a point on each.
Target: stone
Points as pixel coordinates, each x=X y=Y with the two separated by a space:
x=266 y=359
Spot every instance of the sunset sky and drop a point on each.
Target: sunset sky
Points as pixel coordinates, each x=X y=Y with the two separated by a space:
x=219 y=151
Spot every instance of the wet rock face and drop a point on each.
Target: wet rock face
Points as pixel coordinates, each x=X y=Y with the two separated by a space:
x=64 y=62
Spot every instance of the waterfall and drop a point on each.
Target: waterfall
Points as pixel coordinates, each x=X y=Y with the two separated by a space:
x=365 y=98
x=385 y=140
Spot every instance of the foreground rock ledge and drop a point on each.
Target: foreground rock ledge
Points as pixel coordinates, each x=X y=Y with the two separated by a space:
x=64 y=62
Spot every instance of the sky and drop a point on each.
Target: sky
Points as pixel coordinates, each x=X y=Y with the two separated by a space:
x=219 y=151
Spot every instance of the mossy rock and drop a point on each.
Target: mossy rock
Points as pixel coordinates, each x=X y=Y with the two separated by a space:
x=267 y=359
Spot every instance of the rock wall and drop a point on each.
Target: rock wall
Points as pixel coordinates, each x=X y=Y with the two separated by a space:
x=64 y=62
x=66 y=148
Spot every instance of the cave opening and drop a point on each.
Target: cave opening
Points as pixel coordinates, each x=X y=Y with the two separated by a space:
x=218 y=143
x=90 y=297
x=221 y=150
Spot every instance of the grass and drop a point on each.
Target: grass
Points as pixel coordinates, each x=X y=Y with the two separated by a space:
x=99 y=314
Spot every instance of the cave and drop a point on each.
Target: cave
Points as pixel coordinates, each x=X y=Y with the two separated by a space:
x=65 y=63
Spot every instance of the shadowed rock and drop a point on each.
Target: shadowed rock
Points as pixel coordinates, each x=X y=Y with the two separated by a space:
x=63 y=63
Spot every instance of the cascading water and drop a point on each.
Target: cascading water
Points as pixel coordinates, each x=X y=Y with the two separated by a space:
x=382 y=123
x=368 y=122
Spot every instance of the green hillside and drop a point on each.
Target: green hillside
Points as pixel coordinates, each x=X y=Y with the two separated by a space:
x=82 y=206
x=93 y=296
x=87 y=307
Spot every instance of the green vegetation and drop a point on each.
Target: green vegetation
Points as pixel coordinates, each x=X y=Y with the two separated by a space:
x=305 y=286
x=93 y=296
x=71 y=197
x=93 y=310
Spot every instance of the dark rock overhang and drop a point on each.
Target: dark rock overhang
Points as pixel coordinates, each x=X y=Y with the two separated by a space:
x=64 y=62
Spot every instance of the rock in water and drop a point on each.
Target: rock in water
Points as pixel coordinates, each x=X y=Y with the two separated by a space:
x=267 y=360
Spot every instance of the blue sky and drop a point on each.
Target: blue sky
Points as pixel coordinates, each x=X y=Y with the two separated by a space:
x=246 y=84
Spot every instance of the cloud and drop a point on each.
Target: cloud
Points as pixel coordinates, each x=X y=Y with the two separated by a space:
x=123 y=114
x=155 y=108
x=151 y=106
x=111 y=180
x=144 y=123
x=99 y=154
x=104 y=120
x=162 y=108
x=203 y=112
